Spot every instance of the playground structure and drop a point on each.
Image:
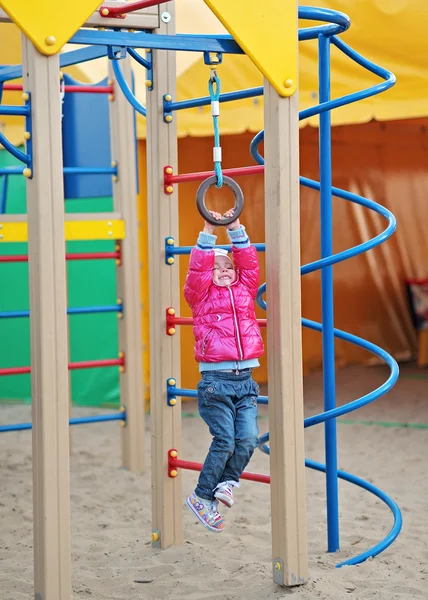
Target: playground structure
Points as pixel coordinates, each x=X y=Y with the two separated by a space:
x=153 y=30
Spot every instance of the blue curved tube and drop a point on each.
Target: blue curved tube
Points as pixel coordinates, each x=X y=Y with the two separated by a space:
x=398 y=520
x=368 y=398
x=145 y=63
x=389 y=77
x=14 y=150
x=127 y=92
x=360 y=248
x=75 y=421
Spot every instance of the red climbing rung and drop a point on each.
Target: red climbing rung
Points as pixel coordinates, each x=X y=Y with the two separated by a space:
x=71 y=89
x=172 y=321
x=175 y=463
x=84 y=364
x=13 y=258
x=170 y=178
x=118 y=11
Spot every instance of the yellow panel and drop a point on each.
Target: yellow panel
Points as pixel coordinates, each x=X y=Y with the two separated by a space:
x=74 y=230
x=95 y=230
x=49 y=24
x=267 y=32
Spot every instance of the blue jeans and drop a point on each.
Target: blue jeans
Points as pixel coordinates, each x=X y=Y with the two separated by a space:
x=228 y=404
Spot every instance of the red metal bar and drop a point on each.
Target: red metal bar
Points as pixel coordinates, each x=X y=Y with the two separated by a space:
x=175 y=463
x=71 y=256
x=113 y=12
x=90 y=364
x=418 y=281
x=84 y=364
x=76 y=89
x=15 y=371
x=172 y=321
x=170 y=178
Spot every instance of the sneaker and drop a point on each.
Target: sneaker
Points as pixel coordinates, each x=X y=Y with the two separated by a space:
x=224 y=492
x=206 y=512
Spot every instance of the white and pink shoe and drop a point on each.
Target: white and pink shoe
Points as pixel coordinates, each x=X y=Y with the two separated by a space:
x=224 y=492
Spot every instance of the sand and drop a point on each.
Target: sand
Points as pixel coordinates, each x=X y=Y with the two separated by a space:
x=111 y=510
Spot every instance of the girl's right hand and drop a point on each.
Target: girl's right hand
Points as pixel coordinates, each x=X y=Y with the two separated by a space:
x=208 y=227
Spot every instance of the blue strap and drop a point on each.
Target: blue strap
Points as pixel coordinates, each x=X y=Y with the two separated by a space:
x=215 y=95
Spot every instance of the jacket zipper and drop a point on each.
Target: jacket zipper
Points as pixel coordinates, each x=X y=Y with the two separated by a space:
x=241 y=354
x=204 y=342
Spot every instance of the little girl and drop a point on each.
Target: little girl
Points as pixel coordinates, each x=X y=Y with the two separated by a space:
x=228 y=344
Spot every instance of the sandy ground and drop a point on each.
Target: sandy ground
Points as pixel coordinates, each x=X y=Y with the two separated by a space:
x=111 y=510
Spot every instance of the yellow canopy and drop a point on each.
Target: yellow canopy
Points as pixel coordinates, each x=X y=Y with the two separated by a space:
x=391 y=33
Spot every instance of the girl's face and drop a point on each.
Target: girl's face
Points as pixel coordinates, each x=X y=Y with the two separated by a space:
x=224 y=272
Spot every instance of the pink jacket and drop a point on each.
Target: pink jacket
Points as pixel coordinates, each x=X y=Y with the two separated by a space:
x=224 y=318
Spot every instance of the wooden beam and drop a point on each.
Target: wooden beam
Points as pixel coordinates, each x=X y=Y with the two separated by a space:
x=287 y=468
x=167 y=503
x=48 y=328
x=128 y=277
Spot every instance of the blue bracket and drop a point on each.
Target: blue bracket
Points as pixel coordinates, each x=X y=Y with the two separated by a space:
x=116 y=52
x=171 y=398
x=213 y=62
x=120 y=314
x=149 y=75
x=167 y=112
x=169 y=251
x=29 y=131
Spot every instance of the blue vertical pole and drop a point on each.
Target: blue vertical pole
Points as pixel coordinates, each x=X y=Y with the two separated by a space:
x=327 y=297
x=3 y=195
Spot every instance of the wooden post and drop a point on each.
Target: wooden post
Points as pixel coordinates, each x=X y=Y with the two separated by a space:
x=48 y=326
x=164 y=292
x=288 y=495
x=128 y=275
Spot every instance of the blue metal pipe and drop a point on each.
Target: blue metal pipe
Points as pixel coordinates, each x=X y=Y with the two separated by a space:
x=86 y=310
x=353 y=339
x=75 y=421
x=336 y=23
x=186 y=393
x=327 y=309
x=3 y=197
x=65 y=60
x=11 y=171
x=13 y=149
x=340 y=256
x=389 y=77
x=82 y=55
x=90 y=170
x=206 y=100
x=127 y=92
x=14 y=111
x=398 y=520
x=145 y=63
x=181 y=250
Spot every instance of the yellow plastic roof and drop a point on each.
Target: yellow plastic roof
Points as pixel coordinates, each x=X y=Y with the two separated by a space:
x=392 y=33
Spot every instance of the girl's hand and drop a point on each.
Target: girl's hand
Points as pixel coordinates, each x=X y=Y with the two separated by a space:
x=236 y=224
x=208 y=227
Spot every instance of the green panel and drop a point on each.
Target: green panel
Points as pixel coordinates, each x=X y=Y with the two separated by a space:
x=90 y=283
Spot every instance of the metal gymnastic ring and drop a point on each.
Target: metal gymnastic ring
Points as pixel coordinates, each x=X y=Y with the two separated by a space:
x=200 y=200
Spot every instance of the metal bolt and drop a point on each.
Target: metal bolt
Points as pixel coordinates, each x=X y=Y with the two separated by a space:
x=165 y=17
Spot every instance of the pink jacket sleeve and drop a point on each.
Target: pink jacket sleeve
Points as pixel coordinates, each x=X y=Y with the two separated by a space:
x=247 y=263
x=199 y=276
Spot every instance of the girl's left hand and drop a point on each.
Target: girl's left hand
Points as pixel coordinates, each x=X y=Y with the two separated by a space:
x=236 y=224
